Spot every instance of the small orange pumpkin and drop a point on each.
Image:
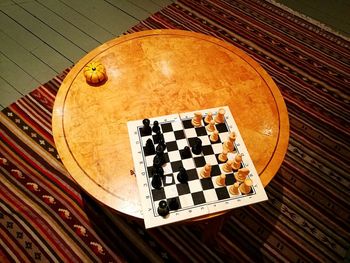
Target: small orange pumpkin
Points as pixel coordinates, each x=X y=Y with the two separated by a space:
x=95 y=72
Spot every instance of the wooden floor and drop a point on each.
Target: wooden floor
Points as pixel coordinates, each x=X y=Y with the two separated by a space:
x=40 y=38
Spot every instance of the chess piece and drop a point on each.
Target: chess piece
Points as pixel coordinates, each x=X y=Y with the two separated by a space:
x=160 y=154
x=220 y=117
x=214 y=136
x=173 y=204
x=160 y=148
x=156 y=127
x=197 y=119
x=221 y=180
x=157 y=161
x=156 y=181
x=186 y=153
x=158 y=137
x=237 y=162
x=146 y=129
x=242 y=174
x=208 y=118
x=158 y=170
x=232 y=137
x=206 y=170
x=227 y=167
x=211 y=126
x=223 y=156
x=234 y=189
x=228 y=145
x=149 y=148
x=246 y=187
x=182 y=176
x=197 y=147
x=163 y=209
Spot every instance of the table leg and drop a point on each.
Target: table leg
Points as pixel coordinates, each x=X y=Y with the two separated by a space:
x=212 y=227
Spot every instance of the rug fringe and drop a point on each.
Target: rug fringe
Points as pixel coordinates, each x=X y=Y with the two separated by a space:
x=309 y=19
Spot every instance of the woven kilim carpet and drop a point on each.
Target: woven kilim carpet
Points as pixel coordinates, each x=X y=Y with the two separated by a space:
x=44 y=215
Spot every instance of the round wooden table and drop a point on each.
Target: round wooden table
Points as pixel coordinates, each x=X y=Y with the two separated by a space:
x=154 y=73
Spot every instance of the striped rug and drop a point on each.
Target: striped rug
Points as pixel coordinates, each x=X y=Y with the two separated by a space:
x=44 y=216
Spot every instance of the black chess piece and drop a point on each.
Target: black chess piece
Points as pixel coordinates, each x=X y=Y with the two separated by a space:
x=158 y=170
x=160 y=148
x=156 y=127
x=186 y=153
x=160 y=154
x=146 y=129
x=182 y=176
x=157 y=162
x=162 y=142
x=173 y=204
x=197 y=146
x=159 y=159
x=156 y=181
x=163 y=209
x=149 y=148
x=158 y=137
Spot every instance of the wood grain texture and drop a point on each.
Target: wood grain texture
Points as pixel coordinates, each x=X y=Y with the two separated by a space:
x=153 y=73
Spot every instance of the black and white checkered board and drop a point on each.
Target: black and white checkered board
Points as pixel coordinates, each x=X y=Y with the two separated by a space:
x=200 y=196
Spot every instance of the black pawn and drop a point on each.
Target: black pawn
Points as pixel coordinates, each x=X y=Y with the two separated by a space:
x=173 y=204
x=186 y=153
x=156 y=181
x=197 y=147
x=149 y=148
x=158 y=137
x=146 y=129
x=182 y=176
x=163 y=209
x=162 y=142
x=157 y=162
x=158 y=170
x=155 y=127
x=160 y=148
x=160 y=154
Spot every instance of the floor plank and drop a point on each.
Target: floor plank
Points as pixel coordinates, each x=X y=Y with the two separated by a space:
x=103 y=14
x=130 y=8
x=38 y=69
x=147 y=5
x=75 y=18
x=8 y=93
x=71 y=32
x=19 y=33
x=16 y=77
x=46 y=34
x=32 y=44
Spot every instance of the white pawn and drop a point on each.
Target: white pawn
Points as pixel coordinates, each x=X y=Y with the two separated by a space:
x=227 y=167
x=211 y=126
x=237 y=162
x=206 y=170
x=232 y=137
x=234 y=188
x=242 y=174
x=228 y=145
x=221 y=180
x=197 y=119
x=223 y=156
x=246 y=187
x=214 y=137
x=220 y=117
x=208 y=118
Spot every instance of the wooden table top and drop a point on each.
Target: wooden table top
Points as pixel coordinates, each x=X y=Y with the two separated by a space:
x=154 y=73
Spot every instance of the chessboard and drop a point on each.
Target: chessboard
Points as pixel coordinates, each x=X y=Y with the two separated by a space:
x=192 y=164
